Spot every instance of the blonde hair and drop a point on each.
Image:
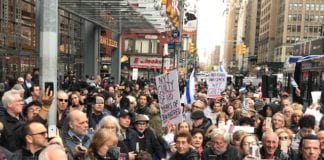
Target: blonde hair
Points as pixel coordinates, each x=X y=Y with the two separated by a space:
x=285 y=130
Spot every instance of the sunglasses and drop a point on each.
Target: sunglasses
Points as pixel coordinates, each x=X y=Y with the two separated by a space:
x=40 y=133
x=283 y=138
x=61 y=100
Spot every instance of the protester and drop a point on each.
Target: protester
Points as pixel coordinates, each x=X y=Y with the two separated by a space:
x=53 y=152
x=246 y=146
x=103 y=145
x=320 y=136
x=270 y=150
x=146 y=139
x=198 y=141
x=285 y=140
x=78 y=137
x=309 y=148
x=76 y=101
x=111 y=123
x=62 y=107
x=306 y=126
x=184 y=151
x=200 y=121
x=98 y=111
x=220 y=147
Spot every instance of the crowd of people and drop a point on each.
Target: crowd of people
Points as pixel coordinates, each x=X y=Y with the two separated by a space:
x=100 y=120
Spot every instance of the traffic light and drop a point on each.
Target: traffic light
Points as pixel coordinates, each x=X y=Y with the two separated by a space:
x=243 y=49
x=191 y=47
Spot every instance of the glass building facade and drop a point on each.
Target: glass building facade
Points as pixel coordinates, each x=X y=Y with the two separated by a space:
x=18 y=40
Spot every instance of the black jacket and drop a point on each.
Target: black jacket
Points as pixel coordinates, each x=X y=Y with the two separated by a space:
x=25 y=154
x=190 y=155
x=149 y=143
x=231 y=153
x=130 y=136
x=205 y=125
x=11 y=137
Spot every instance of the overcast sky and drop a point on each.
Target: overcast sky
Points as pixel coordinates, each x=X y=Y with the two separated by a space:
x=211 y=25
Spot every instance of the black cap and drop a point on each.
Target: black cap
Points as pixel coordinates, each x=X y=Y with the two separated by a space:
x=124 y=112
x=197 y=115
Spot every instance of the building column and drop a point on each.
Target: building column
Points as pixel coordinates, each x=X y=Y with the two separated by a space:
x=48 y=53
x=115 y=59
x=91 y=48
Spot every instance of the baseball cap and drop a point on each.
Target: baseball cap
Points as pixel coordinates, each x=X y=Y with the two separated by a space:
x=197 y=115
x=124 y=112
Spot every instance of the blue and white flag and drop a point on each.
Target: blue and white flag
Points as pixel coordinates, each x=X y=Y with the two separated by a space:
x=189 y=93
x=221 y=69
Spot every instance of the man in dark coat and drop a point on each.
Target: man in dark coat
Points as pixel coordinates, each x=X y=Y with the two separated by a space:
x=220 y=148
x=199 y=120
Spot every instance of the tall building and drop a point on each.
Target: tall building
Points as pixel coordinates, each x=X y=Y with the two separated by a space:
x=270 y=30
x=215 y=56
x=232 y=11
x=298 y=22
x=252 y=28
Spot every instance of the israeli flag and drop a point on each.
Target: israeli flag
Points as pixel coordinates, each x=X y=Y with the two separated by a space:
x=221 y=69
x=189 y=93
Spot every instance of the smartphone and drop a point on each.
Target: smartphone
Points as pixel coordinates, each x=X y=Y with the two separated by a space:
x=268 y=122
x=49 y=85
x=284 y=144
x=254 y=150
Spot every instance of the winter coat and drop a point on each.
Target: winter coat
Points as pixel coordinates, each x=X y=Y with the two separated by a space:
x=190 y=155
x=231 y=153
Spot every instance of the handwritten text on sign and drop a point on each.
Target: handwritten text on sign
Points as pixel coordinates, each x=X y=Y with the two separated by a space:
x=169 y=97
x=216 y=84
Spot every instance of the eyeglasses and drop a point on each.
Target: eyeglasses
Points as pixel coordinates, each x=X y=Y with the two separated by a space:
x=44 y=133
x=283 y=138
x=141 y=123
x=61 y=100
x=34 y=109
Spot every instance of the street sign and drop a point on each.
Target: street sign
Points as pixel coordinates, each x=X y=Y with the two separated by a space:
x=171 y=45
x=175 y=33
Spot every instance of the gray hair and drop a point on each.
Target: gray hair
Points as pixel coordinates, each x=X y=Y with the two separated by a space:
x=132 y=99
x=221 y=132
x=278 y=114
x=110 y=118
x=52 y=147
x=267 y=133
x=8 y=97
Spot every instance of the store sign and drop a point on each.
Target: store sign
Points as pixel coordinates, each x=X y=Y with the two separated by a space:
x=151 y=36
x=108 y=41
x=105 y=59
x=145 y=62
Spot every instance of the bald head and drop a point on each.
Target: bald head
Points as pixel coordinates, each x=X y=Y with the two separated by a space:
x=75 y=115
x=78 y=122
x=270 y=141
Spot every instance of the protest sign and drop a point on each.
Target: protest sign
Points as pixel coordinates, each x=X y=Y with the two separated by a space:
x=169 y=97
x=216 y=84
x=316 y=113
